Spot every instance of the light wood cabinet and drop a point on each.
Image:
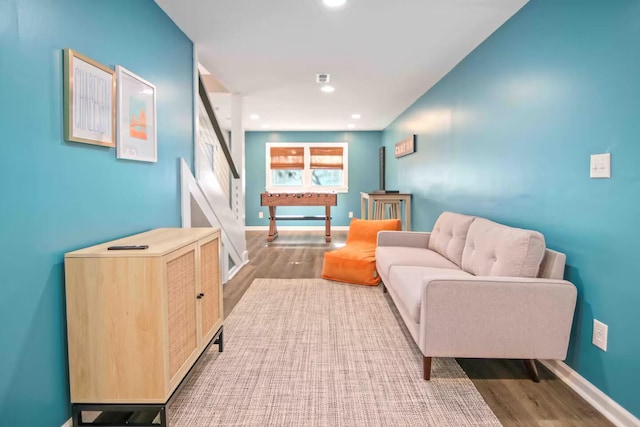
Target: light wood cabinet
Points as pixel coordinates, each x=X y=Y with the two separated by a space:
x=138 y=320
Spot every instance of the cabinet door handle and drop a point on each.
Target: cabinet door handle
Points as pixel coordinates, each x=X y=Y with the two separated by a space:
x=200 y=295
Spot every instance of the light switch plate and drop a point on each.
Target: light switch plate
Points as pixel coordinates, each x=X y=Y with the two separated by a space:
x=601 y=165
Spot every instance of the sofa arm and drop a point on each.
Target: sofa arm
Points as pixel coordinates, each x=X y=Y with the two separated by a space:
x=496 y=317
x=411 y=239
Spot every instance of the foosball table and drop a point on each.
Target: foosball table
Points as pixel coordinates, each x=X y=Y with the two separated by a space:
x=273 y=200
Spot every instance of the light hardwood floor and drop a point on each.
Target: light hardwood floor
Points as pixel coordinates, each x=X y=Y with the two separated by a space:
x=504 y=384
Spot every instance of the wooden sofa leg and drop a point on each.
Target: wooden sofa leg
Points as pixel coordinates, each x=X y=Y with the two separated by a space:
x=426 y=363
x=530 y=364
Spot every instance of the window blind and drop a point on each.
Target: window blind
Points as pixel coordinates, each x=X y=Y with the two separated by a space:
x=287 y=157
x=326 y=157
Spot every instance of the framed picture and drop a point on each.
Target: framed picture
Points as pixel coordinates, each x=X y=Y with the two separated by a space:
x=89 y=101
x=406 y=146
x=137 y=131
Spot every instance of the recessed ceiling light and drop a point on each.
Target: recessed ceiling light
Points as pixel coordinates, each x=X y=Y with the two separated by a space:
x=356 y=116
x=254 y=117
x=265 y=126
x=334 y=3
x=351 y=126
x=327 y=89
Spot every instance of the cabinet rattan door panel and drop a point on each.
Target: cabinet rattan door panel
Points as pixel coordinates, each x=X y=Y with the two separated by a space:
x=181 y=302
x=210 y=277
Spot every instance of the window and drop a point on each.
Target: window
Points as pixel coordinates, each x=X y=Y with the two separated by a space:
x=307 y=167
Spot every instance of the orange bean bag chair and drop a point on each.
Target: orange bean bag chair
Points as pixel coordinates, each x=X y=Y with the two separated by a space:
x=356 y=261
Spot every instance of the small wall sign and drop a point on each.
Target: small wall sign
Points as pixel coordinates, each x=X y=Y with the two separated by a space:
x=406 y=146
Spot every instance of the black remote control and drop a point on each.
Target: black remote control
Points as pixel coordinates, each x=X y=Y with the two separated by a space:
x=127 y=247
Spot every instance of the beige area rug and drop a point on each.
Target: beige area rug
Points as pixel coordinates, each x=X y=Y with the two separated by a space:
x=309 y=352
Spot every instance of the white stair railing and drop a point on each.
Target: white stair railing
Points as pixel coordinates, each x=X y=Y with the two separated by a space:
x=198 y=211
x=215 y=197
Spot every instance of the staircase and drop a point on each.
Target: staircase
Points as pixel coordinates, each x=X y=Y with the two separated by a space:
x=214 y=197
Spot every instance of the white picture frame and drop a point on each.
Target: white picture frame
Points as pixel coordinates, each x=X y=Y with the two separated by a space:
x=137 y=133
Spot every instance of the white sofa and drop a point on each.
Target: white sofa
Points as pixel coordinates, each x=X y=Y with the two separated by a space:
x=474 y=288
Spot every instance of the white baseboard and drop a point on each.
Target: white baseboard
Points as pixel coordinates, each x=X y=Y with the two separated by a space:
x=69 y=423
x=296 y=228
x=236 y=269
x=603 y=403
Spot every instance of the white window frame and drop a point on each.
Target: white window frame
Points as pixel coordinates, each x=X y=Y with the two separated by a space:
x=306 y=186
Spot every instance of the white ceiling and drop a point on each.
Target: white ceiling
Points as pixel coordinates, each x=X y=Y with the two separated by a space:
x=382 y=54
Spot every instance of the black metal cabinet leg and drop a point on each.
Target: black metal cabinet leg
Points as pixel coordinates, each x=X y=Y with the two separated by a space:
x=219 y=339
x=76 y=416
x=163 y=416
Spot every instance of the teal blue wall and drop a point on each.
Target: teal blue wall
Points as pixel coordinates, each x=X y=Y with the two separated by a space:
x=507 y=135
x=363 y=174
x=58 y=196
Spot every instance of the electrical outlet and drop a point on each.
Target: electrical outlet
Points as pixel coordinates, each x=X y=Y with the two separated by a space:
x=260 y=214
x=350 y=214
x=600 y=332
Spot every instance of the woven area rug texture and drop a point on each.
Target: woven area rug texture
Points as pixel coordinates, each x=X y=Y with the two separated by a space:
x=310 y=352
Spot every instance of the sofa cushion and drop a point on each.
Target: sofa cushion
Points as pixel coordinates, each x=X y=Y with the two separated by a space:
x=388 y=256
x=407 y=283
x=497 y=250
x=449 y=235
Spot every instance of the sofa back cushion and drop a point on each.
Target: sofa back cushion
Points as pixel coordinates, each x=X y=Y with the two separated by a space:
x=449 y=235
x=552 y=265
x=494 y=249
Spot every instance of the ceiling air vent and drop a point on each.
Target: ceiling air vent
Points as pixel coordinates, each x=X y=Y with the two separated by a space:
x=323 y=78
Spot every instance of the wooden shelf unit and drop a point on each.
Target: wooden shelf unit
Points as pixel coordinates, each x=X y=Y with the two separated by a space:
x=138 y=320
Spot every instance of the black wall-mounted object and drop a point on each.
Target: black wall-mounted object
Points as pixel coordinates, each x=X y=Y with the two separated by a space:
x=382 y=168
x=382 y=172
